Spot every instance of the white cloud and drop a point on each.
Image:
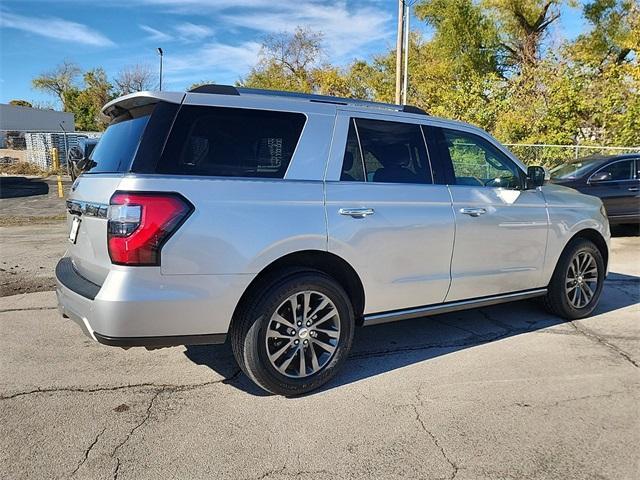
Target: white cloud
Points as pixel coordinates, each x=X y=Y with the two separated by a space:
x=346 y=31
x=191 y=32
x=155 y=35
x=56 y=28
x=215 y=61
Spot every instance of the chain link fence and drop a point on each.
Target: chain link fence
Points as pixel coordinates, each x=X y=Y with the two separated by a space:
x=552 y=155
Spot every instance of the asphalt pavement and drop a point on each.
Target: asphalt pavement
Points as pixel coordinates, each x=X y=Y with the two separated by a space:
x=507 y=392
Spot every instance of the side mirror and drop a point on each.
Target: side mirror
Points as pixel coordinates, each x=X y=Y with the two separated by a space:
x=600 y=177
x=535 y=177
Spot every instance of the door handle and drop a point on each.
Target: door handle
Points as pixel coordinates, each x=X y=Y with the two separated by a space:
x=356 y=212
x=473 y=212
x=633 y=189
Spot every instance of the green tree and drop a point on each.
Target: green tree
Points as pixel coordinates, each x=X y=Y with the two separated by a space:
x=464 y=35
x=20 y=103
x=614 y=33
x=60 y=82
x=294 y=62
x=523 y=25
x=87 y=103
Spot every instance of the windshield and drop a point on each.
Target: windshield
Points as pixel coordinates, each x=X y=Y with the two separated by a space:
x=117 y=147
x=571 y=170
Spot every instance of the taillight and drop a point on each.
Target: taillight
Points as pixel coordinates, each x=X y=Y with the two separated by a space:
x=140 y=223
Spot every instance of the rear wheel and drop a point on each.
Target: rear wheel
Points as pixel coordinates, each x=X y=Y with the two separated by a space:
x=577 y=281
x=293 y=336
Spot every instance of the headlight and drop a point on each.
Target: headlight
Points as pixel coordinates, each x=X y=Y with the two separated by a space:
x=603 y=211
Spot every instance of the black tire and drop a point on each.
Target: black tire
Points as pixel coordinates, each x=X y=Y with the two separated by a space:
x=249 y=330
x=557 y=300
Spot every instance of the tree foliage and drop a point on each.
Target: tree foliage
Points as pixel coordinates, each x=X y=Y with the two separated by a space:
x=84 y=99
x=295 y=62
x=59 y=82
x=87 y=102
x=135 y=78
x=486 y=62
x=20 y=103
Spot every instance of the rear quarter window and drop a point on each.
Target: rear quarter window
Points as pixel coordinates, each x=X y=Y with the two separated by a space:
x=117 y=147
x=233 y=142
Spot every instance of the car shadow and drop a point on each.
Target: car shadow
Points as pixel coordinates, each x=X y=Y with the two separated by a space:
x=383 y=348
x=16 y=187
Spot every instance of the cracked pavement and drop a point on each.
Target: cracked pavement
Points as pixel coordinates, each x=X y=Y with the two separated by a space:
x=507 y=392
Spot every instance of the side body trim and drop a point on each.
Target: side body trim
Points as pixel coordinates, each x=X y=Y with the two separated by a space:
x=384 y=317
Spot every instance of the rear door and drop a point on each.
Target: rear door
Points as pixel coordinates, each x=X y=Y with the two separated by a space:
x=501 y=228
x=386 y=215
x=619 y=189
x=88 y=201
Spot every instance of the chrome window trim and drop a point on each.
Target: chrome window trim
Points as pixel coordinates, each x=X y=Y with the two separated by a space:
x=635 y=171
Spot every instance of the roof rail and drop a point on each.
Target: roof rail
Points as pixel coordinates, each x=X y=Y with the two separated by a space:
x=231 y=90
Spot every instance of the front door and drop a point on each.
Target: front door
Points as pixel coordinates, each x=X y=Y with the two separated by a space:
x=617 y=185
x=385 y=215
x=501 y=228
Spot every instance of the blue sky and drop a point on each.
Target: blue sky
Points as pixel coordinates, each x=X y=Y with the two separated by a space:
x=202 y=39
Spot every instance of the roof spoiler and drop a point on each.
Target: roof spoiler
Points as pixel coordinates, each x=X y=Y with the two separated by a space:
x=120 y=105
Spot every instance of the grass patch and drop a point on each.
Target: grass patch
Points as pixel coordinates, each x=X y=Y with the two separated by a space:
x=26 y=168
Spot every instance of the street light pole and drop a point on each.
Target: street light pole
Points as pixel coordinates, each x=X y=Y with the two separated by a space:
x=160 y=52
x=399 y=42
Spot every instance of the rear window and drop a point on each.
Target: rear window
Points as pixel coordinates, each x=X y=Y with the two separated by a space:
x=218 y=141
x=117 y=147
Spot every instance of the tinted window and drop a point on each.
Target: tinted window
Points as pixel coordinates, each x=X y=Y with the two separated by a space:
x=231 y=142
x=392 y=152
x=571 y=170
x=117 y=146
x=618 y=171
x=477 y=162
x=352 y=166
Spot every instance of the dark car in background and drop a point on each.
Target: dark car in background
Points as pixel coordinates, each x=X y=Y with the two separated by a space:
x=615 y=179
x=79 y=155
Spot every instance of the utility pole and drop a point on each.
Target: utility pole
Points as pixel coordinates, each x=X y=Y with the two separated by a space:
x=399 y=42
x=161 y=53
x=405 y=84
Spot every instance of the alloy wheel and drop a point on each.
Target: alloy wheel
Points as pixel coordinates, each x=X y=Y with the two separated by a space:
x=581 y=281
x=303 y=334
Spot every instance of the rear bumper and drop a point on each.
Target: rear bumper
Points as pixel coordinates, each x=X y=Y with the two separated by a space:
x=141 y=307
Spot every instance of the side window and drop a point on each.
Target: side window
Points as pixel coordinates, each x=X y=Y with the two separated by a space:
x=237 y=142
x=352 y=166
x=618 y=170
x=392 y=152
x=477 y=162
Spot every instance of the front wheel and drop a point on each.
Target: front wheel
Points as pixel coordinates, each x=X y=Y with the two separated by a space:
x=293 y=336
x=577 y=281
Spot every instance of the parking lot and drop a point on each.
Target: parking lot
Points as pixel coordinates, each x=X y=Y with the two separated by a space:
x=507 y=392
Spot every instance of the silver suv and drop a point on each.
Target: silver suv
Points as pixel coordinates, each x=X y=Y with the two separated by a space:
x=282 y=221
